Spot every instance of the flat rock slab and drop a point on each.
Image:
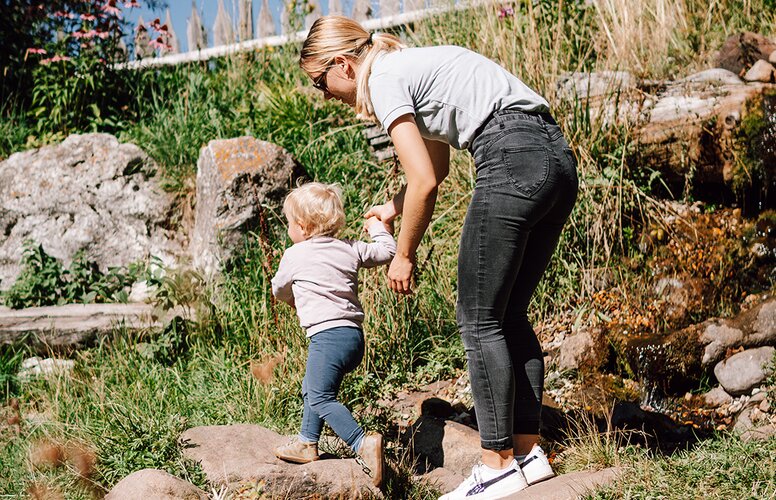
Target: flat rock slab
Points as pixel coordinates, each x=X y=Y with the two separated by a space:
x=568 y=486
x=236 y=454
x=154 y=484
x=72 y=325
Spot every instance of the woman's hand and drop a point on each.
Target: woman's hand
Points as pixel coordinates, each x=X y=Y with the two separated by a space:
x=400 y=274
x=385 y=212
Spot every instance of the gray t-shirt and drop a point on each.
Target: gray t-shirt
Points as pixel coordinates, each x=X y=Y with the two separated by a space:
x=450 y=90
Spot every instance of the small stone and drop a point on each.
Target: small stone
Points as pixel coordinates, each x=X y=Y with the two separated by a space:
x=744 y=371
x=756 y=415
x=756 y=399
x=761 y=71
x=755 y=390
x=35 y=366
x=717 y=397
x=765 y=406
x=772 y=57
x=759 y=433
x=688 y=396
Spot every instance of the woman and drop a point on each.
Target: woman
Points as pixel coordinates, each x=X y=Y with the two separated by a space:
x=429 y=99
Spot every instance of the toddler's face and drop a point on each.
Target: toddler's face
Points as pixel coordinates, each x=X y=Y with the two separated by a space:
x=296 y=232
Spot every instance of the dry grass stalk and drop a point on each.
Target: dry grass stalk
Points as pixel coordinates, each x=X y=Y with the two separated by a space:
x=38 y=491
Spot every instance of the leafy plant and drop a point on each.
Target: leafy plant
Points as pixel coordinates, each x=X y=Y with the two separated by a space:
x=44 y=281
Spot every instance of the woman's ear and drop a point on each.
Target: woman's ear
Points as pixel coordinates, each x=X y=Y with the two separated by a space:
x=346 y=65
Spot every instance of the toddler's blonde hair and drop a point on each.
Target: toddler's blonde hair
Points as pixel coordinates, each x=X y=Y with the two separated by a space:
x=332 y=36
x=316 y=206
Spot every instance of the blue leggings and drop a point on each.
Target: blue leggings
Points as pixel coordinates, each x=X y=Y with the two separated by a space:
x=332 y=354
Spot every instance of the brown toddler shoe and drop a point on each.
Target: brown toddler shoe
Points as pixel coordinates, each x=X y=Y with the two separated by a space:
x=371 y=454
x=298 y=452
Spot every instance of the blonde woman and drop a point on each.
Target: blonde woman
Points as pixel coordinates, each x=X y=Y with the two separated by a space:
x=429 y=99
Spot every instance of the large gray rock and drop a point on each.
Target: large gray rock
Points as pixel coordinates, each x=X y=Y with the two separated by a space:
x=740 y=373
x=154 y=484
x=236 y=178
x=444 y=443
x=73 y=325
x=237 y=454
x=88 y=193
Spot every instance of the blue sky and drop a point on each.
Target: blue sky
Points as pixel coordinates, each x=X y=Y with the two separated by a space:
x=181 y=9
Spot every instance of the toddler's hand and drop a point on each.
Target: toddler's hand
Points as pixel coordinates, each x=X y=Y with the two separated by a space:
x=374 y=220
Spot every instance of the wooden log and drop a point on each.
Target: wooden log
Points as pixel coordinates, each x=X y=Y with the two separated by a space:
x=711 y=133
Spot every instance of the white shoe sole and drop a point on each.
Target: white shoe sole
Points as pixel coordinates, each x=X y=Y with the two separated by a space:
x=538 y=477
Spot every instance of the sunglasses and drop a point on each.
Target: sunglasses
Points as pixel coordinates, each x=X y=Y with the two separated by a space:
x=319 y=82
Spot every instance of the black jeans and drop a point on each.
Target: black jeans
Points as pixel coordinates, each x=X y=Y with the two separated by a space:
x=526 y=188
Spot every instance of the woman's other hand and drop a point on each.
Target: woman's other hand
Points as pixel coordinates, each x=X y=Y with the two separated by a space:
x=400 y=274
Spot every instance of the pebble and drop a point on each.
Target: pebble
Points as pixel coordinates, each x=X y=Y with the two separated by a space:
x=765 y=406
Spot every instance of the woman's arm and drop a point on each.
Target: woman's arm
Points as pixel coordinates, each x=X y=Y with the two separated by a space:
x=425 y=164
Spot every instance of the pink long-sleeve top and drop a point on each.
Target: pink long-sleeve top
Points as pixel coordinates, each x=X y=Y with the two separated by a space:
x=320 y=277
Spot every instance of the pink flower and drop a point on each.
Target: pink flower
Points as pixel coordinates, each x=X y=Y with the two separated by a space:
x=54 y=59
x=505 y=12
x=158 y=43
x=60 y=13
x=102 y=34
x=36 y=51
x=132 y=4
x=88 y=17
x=110 y=8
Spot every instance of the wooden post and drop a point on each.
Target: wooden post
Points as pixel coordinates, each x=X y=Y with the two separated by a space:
x=171 y=39
x=310 y=18
x=389 y=8
x=362 y=10
x=195 y=32
x=335 y=8
x=142 y=41
x=246 y=20
x=413 y=5
x=223 y=31
x=266 y=23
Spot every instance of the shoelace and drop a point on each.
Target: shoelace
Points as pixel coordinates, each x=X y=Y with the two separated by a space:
x=364 y=467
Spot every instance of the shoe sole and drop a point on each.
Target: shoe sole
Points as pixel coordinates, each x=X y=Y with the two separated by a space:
x=539 y=479
x=295 y=460
x=487 y=495
x=378 y=479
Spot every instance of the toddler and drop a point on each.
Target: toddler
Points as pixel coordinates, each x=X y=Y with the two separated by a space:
x=318 y=275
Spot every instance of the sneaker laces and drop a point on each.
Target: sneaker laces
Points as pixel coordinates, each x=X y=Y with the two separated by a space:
x=364 y=467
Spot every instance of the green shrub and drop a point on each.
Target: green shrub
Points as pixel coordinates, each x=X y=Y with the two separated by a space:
x=43 y=281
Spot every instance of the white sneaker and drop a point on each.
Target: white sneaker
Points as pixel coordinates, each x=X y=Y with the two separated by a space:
x=535 y=466
x=505 y=483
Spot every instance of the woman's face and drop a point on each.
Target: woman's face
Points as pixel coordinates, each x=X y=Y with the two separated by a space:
x=338 y=81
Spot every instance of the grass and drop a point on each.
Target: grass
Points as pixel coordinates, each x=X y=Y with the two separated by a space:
x=129 y=400
x=723 y=467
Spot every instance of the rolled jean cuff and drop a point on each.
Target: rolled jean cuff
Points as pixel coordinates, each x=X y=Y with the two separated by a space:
x=497 y=444
x=527 y=426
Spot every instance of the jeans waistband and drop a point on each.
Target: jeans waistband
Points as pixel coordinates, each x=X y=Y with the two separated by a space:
x=505 y=115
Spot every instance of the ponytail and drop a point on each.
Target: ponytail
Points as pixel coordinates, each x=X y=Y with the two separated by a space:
x=332 y=36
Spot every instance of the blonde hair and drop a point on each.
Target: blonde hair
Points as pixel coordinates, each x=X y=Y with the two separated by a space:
x=316 y=206
x=332 y=36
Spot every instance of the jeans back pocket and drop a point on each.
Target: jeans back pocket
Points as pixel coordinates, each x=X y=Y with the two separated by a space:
x=527 y=167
